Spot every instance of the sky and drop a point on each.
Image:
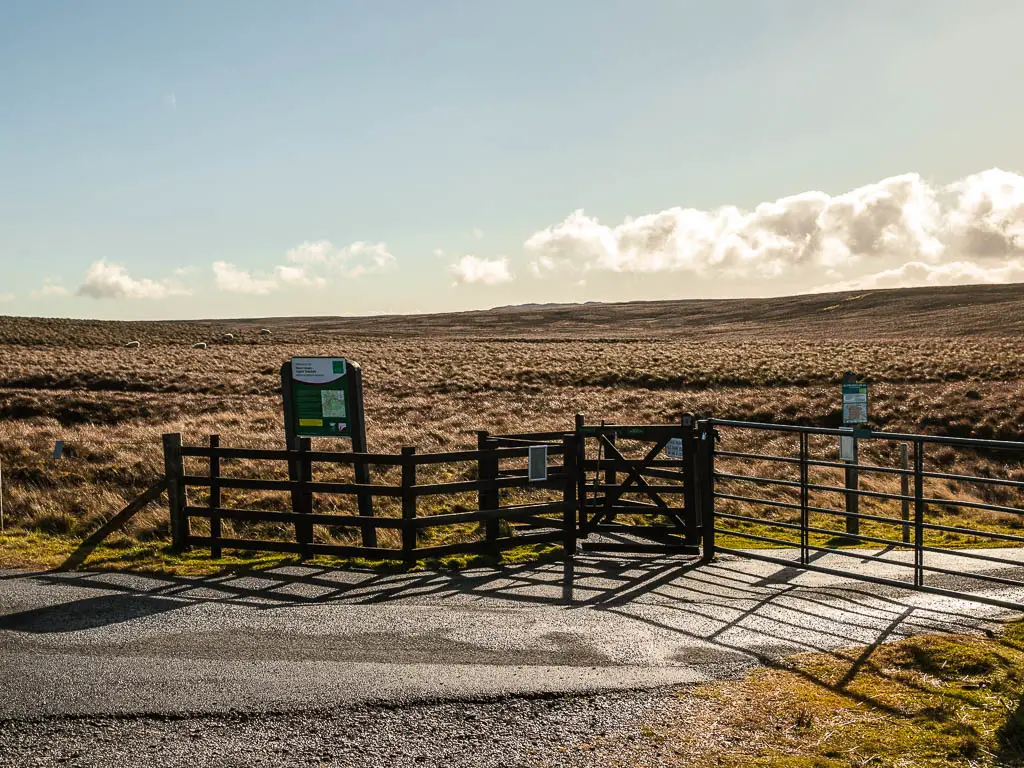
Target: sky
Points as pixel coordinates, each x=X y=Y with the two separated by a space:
x=252 y=158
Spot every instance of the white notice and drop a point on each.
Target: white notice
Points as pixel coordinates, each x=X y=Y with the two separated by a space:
x=674 y=449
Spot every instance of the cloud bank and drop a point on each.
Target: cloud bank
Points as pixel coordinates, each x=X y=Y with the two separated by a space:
x=897 y=232
x=309 y=265
x=104 y=280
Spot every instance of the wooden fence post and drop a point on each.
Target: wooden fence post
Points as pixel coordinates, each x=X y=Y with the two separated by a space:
x=302 y=499
x=706 y=473
x=215 y=532
x=581 y=473
x=689 y=467
x=174 y=470
x=569 y=500
x=408 y=505
x=487 y=469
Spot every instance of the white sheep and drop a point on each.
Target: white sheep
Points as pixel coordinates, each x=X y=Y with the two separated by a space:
x=133 y=345
x=199 y=345
x=229 y=337
x=265 y=332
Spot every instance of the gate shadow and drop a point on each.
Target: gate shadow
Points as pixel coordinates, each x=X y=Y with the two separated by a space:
x=722 y=596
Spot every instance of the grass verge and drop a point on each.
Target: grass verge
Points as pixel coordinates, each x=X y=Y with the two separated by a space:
x=933 y=700
x=34 y=550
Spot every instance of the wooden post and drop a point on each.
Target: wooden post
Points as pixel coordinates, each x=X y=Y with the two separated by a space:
x=361 y=469
x=302 y=499
x=689 y=466
x=569 y=500
x=706 y=473
x=905 y=491
x=490 y=498
x=408 y=505
x=215 y=532
x=581 y=473
x=174 y=470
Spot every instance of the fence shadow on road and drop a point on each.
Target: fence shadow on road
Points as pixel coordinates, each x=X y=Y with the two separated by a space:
x=723 y=596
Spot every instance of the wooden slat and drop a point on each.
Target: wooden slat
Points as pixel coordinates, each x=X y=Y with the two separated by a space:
x=289 y=485
x=277 y=516
x=337 y=550
x=280 y=454
x=508 y=513
x=486 y=547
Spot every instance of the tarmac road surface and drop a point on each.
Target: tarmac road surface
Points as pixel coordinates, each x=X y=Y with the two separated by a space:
x=298 y=638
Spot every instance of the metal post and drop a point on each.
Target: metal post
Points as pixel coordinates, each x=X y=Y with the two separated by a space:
x=174 y=471
x=804 y=501
x=919 y=513
x=905 y=491
x=569 y=500
x=408 y=505
x=215 y=531
x=852 y=495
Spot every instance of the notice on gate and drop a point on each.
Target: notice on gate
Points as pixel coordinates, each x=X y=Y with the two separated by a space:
x=674 y=448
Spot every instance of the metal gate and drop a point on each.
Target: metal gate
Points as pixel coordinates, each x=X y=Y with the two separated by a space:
x=943 y=515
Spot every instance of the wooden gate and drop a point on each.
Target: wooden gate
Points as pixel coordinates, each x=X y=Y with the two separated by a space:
x=637 y=487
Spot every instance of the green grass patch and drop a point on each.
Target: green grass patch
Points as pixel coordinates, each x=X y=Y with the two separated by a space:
x=934 y=700
x=35 y=550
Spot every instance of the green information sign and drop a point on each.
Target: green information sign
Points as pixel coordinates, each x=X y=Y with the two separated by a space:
x=855 y=403
x=322 y=398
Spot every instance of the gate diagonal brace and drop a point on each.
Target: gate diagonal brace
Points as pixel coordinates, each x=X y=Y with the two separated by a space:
x=633 y=470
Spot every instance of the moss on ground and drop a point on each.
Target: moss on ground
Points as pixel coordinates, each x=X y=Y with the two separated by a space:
x=934 y=700
x=35 y=550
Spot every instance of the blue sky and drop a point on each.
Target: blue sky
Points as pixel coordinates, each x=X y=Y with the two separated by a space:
x=201 y=159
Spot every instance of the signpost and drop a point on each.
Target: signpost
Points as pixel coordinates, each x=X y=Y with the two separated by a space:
x=323 y=397
x=855 y=413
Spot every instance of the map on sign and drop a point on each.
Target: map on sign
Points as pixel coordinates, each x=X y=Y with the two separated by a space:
x=855 y=403
x=321 y=393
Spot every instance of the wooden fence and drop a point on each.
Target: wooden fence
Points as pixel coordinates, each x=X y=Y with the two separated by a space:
x=546 y=521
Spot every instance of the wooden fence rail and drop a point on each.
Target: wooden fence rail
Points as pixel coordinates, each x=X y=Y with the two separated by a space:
x=546 y=521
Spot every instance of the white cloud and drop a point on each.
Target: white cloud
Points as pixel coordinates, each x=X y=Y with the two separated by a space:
x=900 y=228
x=473 y=269
x=50 y=290
x=232 y=279
x=6 y=297
x=104 y=280
x=310 y=265
x=919 y=273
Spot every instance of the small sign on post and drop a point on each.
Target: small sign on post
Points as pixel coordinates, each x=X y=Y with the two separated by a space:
x=674 y=448
x=538 y=466
x=855 y=401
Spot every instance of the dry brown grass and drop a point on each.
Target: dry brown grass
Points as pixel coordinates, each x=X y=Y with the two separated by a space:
x=433 y=381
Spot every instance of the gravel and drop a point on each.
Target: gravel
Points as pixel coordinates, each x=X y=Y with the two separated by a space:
x=541 y=731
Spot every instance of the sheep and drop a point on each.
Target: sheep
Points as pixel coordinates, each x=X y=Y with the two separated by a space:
x=229 y=337
x=265 y=332
x=199 y=345
x=133 y=345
